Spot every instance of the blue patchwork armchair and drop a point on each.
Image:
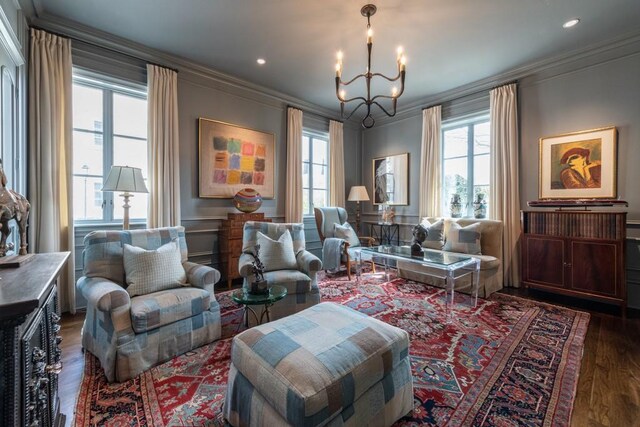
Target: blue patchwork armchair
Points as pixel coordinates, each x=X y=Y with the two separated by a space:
x=131 y=334
x=301 y=282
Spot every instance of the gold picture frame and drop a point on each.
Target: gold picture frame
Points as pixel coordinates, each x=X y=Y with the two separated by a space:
x=579 y=165
x=232 y=157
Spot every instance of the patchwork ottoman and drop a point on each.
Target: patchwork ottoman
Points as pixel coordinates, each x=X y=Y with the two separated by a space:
x=326 y=365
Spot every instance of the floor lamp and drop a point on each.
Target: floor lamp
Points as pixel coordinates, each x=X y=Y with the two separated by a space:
x=358 y=193
x=128 y=180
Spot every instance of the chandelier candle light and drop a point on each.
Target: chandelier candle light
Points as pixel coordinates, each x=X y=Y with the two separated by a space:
x=368 y=121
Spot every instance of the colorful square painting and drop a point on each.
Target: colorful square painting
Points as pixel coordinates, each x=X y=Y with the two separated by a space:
x=233 y=158
x=579 y=165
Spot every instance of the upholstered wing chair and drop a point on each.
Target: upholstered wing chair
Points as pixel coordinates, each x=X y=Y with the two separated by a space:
x=131 y=334
x=326 y=220
x=301 y=282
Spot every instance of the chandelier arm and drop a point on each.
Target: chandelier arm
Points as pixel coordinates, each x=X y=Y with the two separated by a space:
x=391 y=79
x=352 y=80
x=384 y=109
x=383 y=97
x=355 y=109
x=355 y=98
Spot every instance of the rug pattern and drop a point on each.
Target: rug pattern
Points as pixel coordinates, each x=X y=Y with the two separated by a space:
x=506 y=362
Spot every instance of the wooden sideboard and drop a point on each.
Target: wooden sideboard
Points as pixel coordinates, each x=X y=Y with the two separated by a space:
x=576 y=253
x=230 y=238
x=30 y=356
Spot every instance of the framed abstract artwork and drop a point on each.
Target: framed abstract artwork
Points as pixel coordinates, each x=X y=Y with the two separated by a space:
x=232 y=158
x=391 y=180
x=578 y=165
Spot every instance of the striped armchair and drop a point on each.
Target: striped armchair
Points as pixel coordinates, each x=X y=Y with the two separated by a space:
x=131 y=334
x=301 y=284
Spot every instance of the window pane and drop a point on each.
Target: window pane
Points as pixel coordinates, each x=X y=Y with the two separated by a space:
x=481 y=138
x=455 y=181
x=305 y=175
x=305 y=148
x=319 y=198
x=129 y=116
x=87 y=108
x=130 y=152
x=87 y=153
x=481 y=170
x=319 y=176
x=87 y=198
x=320 y=151
x=306 y=206
x=456 y=142
x=138 y=203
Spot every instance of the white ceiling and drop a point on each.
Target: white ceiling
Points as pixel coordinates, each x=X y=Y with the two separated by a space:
x=448 y=43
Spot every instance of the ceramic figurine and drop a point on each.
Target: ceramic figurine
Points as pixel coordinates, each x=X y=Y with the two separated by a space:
x=12 y=206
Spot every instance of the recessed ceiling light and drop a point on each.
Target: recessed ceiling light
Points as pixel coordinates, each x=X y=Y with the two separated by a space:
x=571 y=23
x=261 y=61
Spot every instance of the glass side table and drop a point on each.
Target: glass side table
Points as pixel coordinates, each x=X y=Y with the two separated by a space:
x=241 y=296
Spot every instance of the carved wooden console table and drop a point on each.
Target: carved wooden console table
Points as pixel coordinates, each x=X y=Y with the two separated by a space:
x=30 y=357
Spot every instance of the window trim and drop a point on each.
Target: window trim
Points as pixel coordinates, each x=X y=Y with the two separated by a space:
x=469 y=122
x=314 y=134
x=109 y=86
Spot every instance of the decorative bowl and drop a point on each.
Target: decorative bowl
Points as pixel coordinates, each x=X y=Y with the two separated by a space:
x=247 y=200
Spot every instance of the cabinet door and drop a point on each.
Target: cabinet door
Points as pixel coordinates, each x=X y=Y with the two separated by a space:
x=544 y=260
x=595 y=267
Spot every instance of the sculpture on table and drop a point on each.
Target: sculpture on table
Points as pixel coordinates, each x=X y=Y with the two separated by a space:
x=259 y=286
x=419 y=235
x=12 y=206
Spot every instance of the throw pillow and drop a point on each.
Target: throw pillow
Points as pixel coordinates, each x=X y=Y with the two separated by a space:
x=277 y=254
x=155 y=270
x=463 y=239
x=346 y=233
x=435 y=235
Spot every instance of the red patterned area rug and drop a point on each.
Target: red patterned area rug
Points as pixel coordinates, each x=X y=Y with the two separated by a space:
x=507 y=362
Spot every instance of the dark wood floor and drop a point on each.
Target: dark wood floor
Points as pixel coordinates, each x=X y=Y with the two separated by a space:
x=608 y=392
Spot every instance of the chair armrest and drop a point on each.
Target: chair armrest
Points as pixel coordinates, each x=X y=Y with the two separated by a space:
x=245 y=268
x=201 y=276
x=308 y=262
x=371 y=241
x=113 y=301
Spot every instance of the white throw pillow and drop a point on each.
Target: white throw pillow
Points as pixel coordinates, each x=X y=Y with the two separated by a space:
x=464 y=239
x=277 y=254
x=435 y=235
x=152 y=271
x=347 y=233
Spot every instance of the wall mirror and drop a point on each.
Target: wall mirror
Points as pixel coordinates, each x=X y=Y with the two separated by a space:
x=391 y=180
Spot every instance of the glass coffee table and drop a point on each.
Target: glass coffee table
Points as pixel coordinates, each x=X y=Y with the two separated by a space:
x=443 y=265
x=241 y=296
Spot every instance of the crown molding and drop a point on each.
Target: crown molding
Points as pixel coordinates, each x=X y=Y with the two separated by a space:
x=554 y=66
x=192 y=70
x=9 y=40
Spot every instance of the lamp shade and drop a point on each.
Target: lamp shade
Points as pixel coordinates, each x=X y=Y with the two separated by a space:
x=358 y=193
x=125 y=178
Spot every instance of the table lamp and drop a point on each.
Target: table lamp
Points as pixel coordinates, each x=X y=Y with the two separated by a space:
x=358 y=193
x=128 y=180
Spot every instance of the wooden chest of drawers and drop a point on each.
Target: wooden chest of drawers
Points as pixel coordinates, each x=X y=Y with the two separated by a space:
x=230 y=238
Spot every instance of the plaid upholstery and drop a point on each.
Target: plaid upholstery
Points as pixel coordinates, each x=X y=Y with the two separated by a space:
x=161 y=308
x=108 y=330
x=277 y=254
x=301 y=284
x=148 y=271
x=329 y=217
x=328 y=363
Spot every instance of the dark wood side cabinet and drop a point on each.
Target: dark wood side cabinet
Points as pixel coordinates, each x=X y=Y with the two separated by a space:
x=576 y=253
x=230 y=238
x=30 y=357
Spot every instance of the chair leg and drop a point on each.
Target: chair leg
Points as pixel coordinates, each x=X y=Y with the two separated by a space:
x=373 y=267
x=349 y=269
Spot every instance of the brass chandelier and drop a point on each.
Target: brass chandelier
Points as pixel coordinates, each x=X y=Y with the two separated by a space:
x=368 y=121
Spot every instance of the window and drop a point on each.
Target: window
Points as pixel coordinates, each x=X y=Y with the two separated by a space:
x=465 y=163
x=109 y=128
x=315 y=171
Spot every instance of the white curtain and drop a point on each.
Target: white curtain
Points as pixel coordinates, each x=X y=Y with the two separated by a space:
x=293 y=196
x=50 y=156
x=430 y=167
x=164 y=163
x=504 y=203
x=336 y=164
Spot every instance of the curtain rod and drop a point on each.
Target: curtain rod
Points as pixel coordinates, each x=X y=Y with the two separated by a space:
x=66 y=36
x=472 y=93
x=315 y=114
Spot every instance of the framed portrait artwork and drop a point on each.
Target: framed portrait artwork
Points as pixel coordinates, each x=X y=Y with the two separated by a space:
x=391 y=180
x=579 y=165
x=232 y=157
